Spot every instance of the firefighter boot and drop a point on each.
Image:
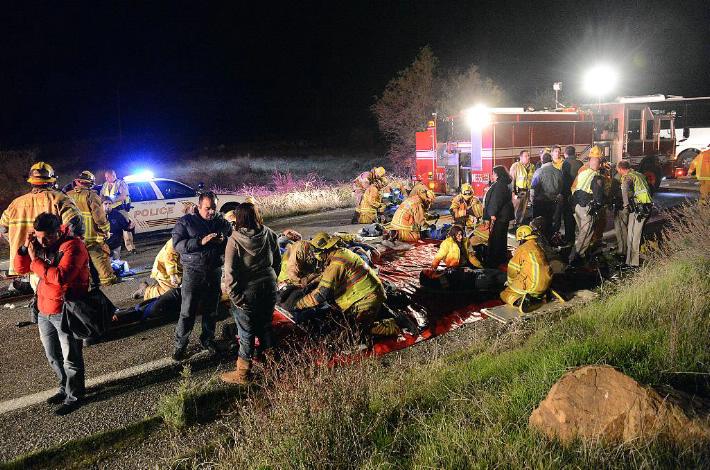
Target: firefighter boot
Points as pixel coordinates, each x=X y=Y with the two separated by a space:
x=241 y=375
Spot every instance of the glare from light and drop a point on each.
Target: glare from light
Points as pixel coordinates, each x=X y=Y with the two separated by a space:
x=478 y=117
x=143 y=175
x=600 y=80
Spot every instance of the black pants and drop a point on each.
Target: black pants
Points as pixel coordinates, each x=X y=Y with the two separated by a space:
x=200 y=292
x=254 y=317
x=568 y=218
x=498 y=244
x=545 y=209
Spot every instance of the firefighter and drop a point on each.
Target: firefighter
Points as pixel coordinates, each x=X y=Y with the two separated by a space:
x=636 y=195
x=350 y=283
x=166 y=272
x=96 y=228
x=456 y=251
x=370 y=204
x=529 y=273
x=117 y=190
x=522 y=173
x=16 y=221
x=410 y=216
x=466 y=208
x=701 y=167
x=299 y=266
x=364 y=180
x=588 y=197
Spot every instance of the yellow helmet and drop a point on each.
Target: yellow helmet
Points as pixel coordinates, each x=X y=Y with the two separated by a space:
x=430 y=195
x=321 y=241
x=525 y=232
x=379 y=172
x=41 y=173
x=466 y=189
x=86 y=177
x=596 y=152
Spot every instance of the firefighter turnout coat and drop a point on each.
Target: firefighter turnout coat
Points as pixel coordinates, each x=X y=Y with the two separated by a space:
x=17 y=220
x=409 y=218
x=528 y=273
x=465 y=208
x=370 y=205
x=298 y=264
x=450 y=253
x=167 y=263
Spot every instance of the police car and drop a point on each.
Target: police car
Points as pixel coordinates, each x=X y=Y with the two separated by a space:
x=157 y=203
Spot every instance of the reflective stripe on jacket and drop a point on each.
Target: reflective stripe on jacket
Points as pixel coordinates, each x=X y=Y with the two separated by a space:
x=410 y=215
x=347 y=279
x=450 y=252
x=528 y=270
x=461 y=206
x=371 y=201
x=522 y=175
x=641 y=191
x=17 y=220
x=96 y=225
x=701 y=166
x=166 y=263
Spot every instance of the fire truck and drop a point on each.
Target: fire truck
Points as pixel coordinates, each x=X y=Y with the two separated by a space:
x=631 y=128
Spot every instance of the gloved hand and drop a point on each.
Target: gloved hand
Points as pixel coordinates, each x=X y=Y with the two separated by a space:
x=175 y=280
x=386 y=327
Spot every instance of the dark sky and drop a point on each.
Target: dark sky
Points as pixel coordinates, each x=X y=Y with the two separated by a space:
x=237 y=71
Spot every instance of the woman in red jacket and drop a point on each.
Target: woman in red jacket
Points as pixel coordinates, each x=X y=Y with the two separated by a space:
x=61 y=262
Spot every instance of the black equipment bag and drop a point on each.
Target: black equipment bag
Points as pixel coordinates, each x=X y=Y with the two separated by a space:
x=89 y=317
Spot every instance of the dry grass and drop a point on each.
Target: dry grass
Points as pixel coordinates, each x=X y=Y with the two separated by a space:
x=468 y=408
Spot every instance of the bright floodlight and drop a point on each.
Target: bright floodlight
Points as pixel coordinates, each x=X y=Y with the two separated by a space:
x=600 y=80
x=478 y=117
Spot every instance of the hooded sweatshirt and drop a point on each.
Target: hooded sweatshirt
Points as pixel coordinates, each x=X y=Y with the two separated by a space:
x=251 y=256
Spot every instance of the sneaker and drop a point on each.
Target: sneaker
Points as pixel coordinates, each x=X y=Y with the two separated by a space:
x=56 y=399
x=179 y=354
x=67 y=408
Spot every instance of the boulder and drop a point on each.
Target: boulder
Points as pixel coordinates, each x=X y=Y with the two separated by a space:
x=598 y=403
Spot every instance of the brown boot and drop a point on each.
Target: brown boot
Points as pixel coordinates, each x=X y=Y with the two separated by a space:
x=240 y=375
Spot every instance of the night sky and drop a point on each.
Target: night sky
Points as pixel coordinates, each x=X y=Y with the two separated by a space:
x=242 y=71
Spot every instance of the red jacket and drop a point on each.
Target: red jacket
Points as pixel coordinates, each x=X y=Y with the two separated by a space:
x=67 y=275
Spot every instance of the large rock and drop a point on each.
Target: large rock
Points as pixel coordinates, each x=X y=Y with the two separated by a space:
x=598 y=403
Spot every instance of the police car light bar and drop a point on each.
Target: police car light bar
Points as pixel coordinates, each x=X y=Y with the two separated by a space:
x=144 y=175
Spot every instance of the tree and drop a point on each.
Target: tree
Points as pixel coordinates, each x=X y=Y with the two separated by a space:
x=406 y=103
x=419 y=90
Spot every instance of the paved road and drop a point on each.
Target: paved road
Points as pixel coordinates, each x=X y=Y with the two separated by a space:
x=24 y=370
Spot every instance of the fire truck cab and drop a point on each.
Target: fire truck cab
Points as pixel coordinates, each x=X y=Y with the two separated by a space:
x=630 y=128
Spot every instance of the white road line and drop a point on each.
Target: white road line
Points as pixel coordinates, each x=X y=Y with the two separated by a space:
x=35 y=398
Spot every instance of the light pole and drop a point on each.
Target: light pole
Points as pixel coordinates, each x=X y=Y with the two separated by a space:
x=557 y=86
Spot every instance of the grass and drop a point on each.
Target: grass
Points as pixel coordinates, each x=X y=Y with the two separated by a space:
x=469 y=408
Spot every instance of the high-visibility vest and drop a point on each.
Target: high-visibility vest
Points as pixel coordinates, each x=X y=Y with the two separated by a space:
x=642 y=194
x=583 y=181
x=522 y=174
x=112 y=190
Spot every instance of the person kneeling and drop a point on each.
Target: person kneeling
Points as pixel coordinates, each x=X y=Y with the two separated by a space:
x=456 y=251
x=350 y=283
x=529 y=273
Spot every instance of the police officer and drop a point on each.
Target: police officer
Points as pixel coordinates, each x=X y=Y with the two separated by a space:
x=636 y=195
x=588 y=197
x=117 y=190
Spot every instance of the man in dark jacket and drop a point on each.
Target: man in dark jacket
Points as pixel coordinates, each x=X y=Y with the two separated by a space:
x=200 y=240
x=61 y=262
x=570 y=168
x=498 y=209
x=547 y=189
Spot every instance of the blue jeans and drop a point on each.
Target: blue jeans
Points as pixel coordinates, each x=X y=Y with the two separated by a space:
x=254 y=316
x=200 y=292
x=64 y=354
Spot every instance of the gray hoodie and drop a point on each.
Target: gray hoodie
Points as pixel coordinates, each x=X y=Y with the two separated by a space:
x=250 y=257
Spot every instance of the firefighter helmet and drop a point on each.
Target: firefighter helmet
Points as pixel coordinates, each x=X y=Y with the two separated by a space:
x=86 y=177
x=525 y=232
x=596 y=152
x=41 y=173
x=322 y=243
x=379 y=172
x=430 y=195
x=466 y=189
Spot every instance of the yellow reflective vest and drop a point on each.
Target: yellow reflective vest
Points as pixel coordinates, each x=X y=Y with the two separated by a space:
x=522 y=175
x=450 y=253
x=348 y=278
x=583 y=181
x=17 y=220
x=115 y=190
x=96 y=225
x=528 y=270
x=642 y=194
